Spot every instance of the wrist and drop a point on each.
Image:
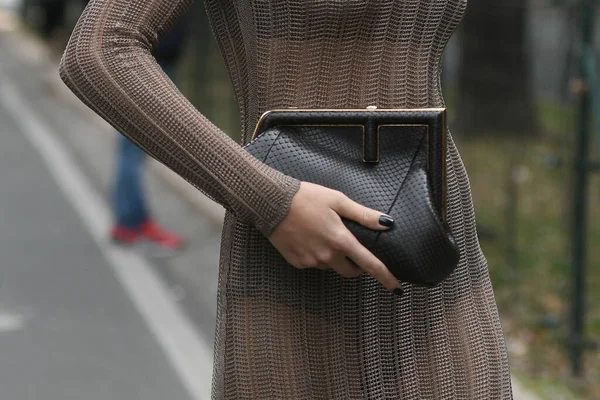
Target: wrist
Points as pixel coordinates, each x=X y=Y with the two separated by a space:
x=268 y=223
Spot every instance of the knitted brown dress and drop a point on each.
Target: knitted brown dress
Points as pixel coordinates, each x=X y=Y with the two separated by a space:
x=303 y=334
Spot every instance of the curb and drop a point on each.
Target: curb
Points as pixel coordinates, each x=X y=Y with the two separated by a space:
x=520 y=393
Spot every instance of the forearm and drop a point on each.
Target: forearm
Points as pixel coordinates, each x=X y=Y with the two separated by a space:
x=109 y=65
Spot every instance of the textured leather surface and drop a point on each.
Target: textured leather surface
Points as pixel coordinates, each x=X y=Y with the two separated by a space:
x=328 y=148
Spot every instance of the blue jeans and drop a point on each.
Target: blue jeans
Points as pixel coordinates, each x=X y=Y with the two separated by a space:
x=129 y=202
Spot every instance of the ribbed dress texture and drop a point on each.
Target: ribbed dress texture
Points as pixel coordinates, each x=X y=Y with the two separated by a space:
x=284 y=333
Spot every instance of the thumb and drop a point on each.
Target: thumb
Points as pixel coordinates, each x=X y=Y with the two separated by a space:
x=365 y=216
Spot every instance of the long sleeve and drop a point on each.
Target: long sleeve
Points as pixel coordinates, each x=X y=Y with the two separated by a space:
x=108 y=64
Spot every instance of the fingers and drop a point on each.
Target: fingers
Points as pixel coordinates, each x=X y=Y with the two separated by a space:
x=372 y=265
x=346 y=268
x=341 y=264
x=367 y=217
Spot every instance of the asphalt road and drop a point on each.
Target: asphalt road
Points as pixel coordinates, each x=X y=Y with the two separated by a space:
x=79 y=319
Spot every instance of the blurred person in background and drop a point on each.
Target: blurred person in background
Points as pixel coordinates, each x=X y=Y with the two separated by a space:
x=46 y=16
x=133 y=219
x=54 y=15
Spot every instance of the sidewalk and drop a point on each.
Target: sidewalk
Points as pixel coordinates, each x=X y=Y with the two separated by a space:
x=193 y=275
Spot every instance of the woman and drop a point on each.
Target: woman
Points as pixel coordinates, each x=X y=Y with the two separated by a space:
x=322 y=330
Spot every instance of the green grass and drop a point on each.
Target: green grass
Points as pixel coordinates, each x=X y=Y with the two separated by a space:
x=533 y=288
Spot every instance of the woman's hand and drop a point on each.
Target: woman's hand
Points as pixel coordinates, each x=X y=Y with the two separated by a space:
x=312 y=235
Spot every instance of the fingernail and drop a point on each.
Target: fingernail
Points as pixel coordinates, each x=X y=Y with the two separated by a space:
x=399 y=292
x=386 y=220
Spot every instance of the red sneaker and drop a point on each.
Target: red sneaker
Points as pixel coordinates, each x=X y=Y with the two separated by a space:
x=158 y=235
x=126 y=236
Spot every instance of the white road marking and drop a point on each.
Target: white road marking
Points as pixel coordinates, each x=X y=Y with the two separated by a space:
x=10 y=322
x=189 y=353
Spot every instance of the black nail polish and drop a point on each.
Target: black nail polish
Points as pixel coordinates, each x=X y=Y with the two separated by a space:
x=386 y=220
x=399 y=292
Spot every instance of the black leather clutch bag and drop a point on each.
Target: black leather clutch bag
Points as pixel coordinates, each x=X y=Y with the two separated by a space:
x=393 y=161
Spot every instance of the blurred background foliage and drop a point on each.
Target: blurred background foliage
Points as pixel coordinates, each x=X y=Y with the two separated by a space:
x=513 y=85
